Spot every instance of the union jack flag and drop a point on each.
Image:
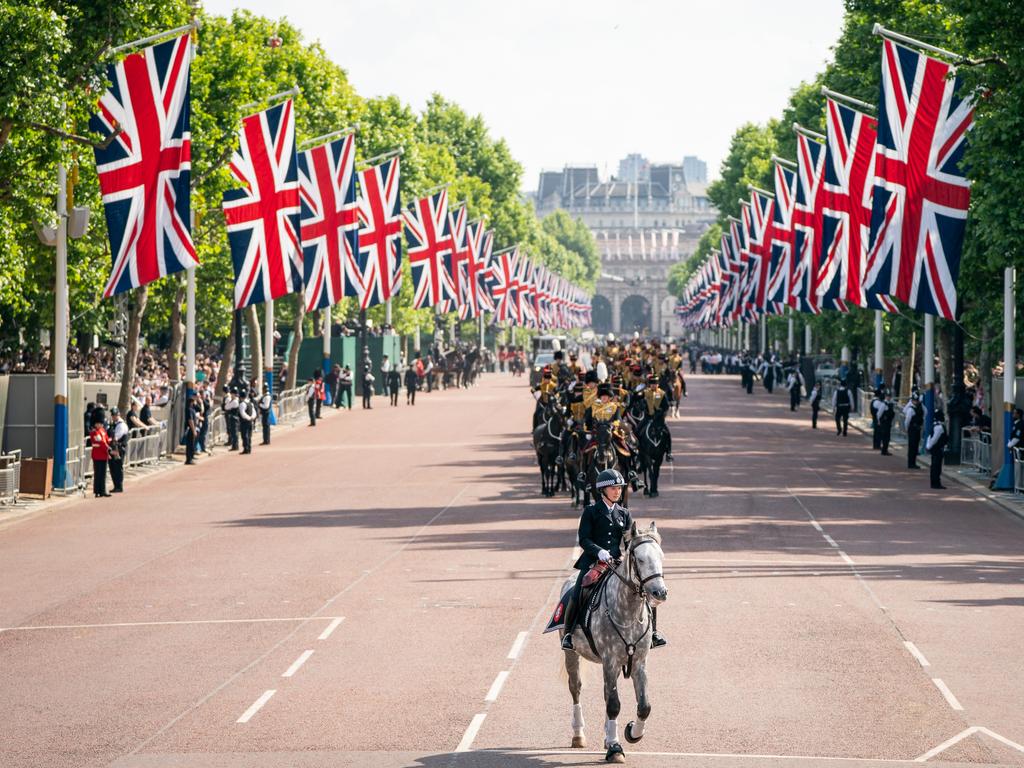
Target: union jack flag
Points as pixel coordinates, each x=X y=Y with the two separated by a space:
x=483 y=267
x=781 y=243
x=430 y=243
x=921 y=195
x=144 y=172
x=810 y=164
x=330 y=224
x=380 y=245
x=525 y=294
x=759 y=237
x=263 y=215
x=471 y=306
x=504 y=286
x=846 y=208
x=458 y=221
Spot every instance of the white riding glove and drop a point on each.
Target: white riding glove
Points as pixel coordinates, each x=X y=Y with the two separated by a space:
x=604 y=556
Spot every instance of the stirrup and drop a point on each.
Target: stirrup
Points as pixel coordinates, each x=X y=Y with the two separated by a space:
x=567 y=642
x=657 y=641
x=668 y=458
x=559 y=460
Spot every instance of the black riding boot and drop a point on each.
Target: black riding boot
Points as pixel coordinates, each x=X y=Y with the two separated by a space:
x=657 y=640
x=576 y=593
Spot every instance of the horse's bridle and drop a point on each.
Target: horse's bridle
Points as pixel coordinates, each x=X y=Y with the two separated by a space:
x=638 y=585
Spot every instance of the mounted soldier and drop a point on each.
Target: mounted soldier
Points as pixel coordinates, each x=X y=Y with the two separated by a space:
x=657 y=402
x=547 y=389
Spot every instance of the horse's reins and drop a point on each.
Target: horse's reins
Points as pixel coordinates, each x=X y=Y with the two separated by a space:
x=637 y=587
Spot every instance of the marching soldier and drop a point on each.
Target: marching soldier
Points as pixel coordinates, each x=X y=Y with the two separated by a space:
x=913 y=420
x=265 y=404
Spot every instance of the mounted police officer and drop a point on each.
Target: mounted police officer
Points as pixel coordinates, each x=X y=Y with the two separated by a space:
x=602 y=525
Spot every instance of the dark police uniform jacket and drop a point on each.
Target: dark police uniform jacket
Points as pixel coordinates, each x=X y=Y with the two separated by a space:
x=601 y=528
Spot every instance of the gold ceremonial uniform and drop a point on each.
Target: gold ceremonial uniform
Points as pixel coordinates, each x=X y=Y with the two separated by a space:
x=589 y=397
x=578 y=409
x=653 y=396
x=604 y=412
x=546 y=388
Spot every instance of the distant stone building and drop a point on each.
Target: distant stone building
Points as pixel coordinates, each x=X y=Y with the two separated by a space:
x=645 y=219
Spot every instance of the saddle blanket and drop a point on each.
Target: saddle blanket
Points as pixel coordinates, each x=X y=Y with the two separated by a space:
x=558 y=617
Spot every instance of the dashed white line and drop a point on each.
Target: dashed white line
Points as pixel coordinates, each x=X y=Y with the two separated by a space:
x=916 y=653
x=830 y=540
x=303 y=658
x=846 y=558
x=331 y=627
x=496 y=686
x=471 y=732
x=948 y=694
x=817 y=526
x=517 y=646
x=256 y=706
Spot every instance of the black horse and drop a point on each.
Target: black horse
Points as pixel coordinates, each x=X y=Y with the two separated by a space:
x=600 y=456
x=547 y=442
x=653 y=436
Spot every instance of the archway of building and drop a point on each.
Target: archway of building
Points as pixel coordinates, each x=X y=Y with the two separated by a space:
x=636 y=314
x=601 y=314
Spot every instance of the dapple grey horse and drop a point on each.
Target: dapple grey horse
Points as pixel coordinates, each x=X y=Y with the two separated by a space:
x=621 y=629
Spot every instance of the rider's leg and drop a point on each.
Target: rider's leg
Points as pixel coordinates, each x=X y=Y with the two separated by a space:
x=576 y=608
x=668 y=443
x=657 y=639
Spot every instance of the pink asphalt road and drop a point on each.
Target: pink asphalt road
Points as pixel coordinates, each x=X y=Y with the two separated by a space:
x=371 y=592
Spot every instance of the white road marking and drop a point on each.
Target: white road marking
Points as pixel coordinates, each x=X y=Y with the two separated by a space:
x=963 y=735
x=916 y=653
x=817 y=526
x=947 y=694
x=123 y=624
x=830 y=540
x=303 y=658
x=579 y=752
x=331 y=627
x=471 y=732
x=256 y=706
x=846 y=558
x=517 y=646
x=496 y=686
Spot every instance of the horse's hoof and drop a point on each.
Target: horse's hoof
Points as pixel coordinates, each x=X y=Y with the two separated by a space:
x=654 y=494
x=615 y=754
x=629 y=733
x=579 y=742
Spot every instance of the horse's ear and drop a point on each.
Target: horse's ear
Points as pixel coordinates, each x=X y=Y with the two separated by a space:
x=632 y=530
x=654 y=526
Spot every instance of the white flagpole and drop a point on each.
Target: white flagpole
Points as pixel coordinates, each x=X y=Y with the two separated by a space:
x=60 y=337
x=879 y=348
x=1005 y=479
x=268 y=344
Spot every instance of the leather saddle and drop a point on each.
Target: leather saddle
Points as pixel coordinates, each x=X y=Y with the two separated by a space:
x=589 y=595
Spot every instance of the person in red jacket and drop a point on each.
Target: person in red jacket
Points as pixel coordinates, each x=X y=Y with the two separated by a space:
x=100 y=442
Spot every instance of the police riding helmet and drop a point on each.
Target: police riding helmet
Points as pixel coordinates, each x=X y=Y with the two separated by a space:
x=610 y=478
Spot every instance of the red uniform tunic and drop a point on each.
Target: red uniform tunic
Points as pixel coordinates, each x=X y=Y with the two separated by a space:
x=100 y=441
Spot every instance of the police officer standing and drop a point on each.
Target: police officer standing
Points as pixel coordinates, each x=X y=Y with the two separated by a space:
x=368 y=379
x=877 y=406
x=231 y=417
x=118 y=450
x=191 y=428
x=885 y=418
x=246 y=415
x=794 y=383
x=265 y=404
x=815 y=400
x=842 y=403
x=913 y=420
x=936 y=446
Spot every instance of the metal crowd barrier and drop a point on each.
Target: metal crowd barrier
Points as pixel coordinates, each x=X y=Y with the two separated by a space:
x=217 y=434
x=10 y=476
x=145 y=445
x=291 y=403
x=970 y=446
x=74 y=475
x=985 y=453
x=1018 y=470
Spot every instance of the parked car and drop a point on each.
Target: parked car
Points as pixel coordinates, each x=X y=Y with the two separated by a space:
x=539 y=361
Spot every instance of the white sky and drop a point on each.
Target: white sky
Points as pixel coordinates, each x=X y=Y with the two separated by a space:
x=579 y=81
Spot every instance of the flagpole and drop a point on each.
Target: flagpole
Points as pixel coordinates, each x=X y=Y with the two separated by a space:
x=879 y=349
x=381 y=157
x=928 y=366
x=819 y=137
x=836 y=96
x=60 y=336
x=790 y=335
x=881 y=31
x=293 y=91
x=268 y=345
x=808 y=345
x=780 y=161
x=318 y=140
x=153 y=38
x=326 y=336
x=1004 y=481
x=190 y=320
